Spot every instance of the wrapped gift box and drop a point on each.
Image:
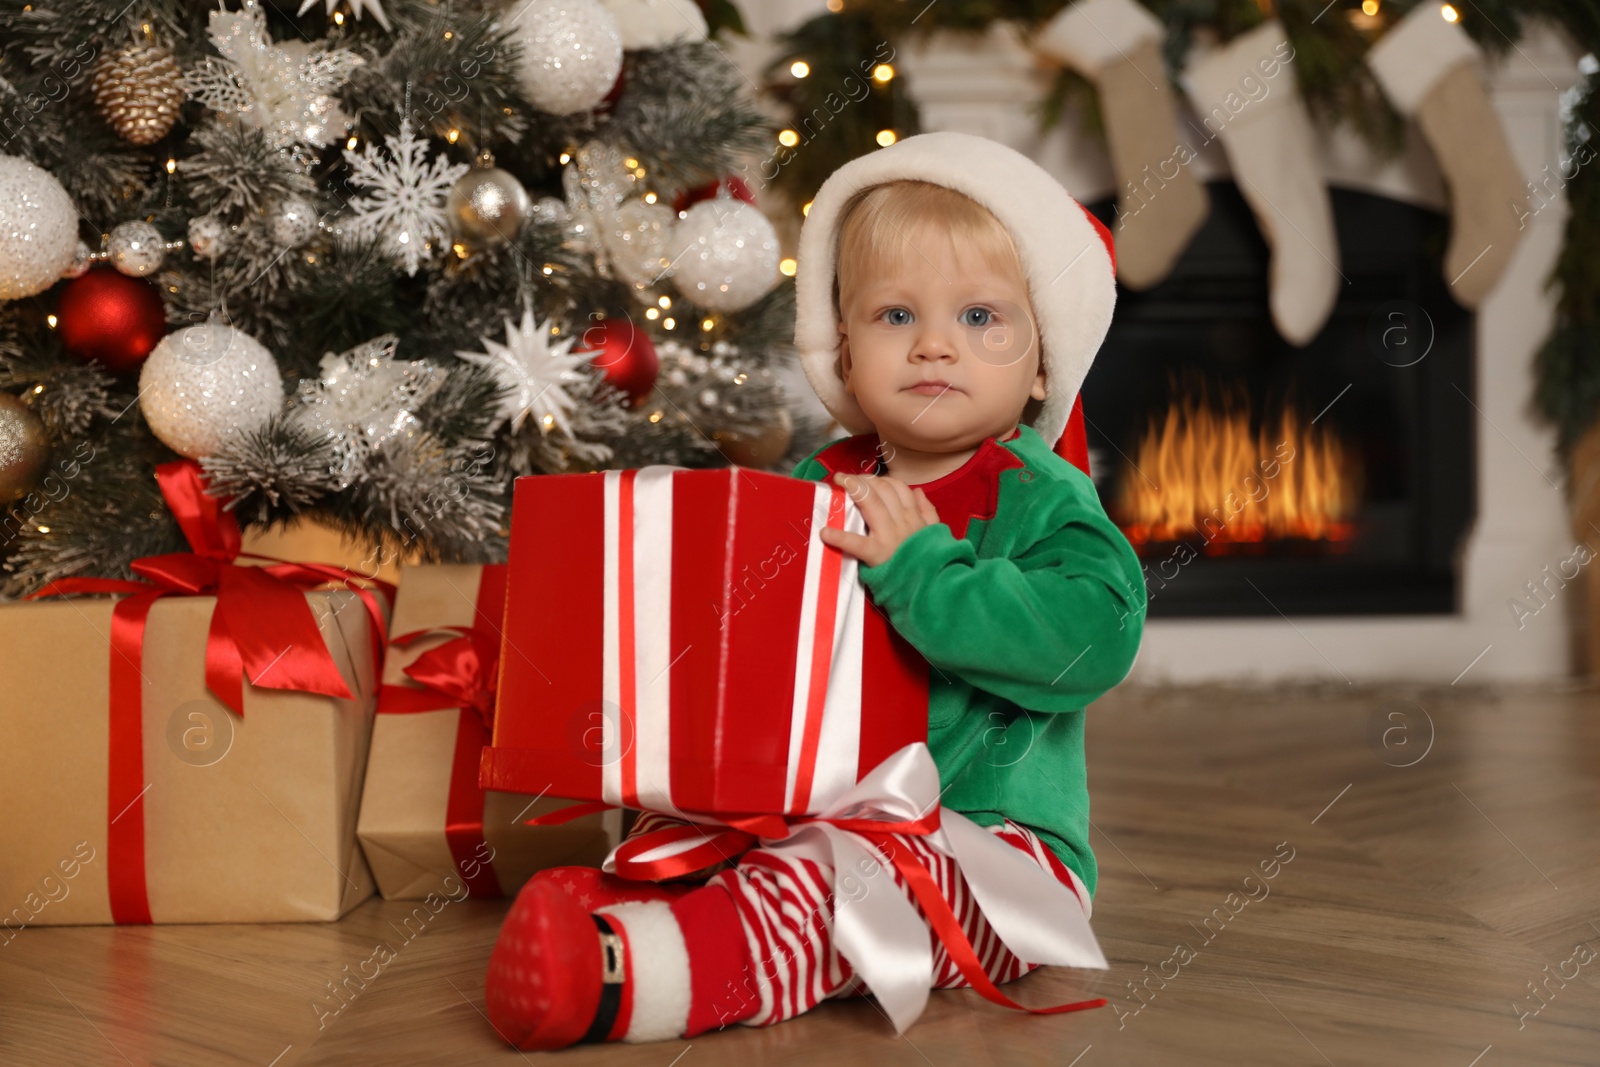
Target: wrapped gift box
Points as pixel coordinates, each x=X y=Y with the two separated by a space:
x=423 y=815
x=246 y=819
x=683 y=640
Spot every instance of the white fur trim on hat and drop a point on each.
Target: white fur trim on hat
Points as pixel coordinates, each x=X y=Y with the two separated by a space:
x=1064 y=259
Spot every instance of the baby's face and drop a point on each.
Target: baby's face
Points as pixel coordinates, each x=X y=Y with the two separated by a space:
x=943 y=353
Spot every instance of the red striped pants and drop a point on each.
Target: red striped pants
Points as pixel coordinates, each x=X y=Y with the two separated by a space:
x=785 y=908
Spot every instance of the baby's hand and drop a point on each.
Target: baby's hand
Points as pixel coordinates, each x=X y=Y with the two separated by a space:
x=893 y=510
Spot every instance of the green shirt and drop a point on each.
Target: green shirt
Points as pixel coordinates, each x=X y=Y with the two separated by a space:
x=1028 y=604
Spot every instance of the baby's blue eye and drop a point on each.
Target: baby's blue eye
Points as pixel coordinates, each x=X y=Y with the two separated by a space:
x=889 y=315
x=984 y=315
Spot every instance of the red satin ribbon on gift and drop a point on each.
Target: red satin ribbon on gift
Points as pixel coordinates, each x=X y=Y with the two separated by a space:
x=461 y=673
x=261 y=628
x=743 y=832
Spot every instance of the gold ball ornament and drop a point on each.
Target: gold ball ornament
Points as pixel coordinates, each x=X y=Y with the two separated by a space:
x=487 y=207
x=139 y=91
x=24 y=448
x=759 y=449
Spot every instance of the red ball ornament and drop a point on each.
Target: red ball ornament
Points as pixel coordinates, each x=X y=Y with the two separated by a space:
x=625 y=353
x=736 y=188
x=110 y=318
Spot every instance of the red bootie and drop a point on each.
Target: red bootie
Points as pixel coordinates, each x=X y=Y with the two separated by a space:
x=545 y=975
x=640 y=970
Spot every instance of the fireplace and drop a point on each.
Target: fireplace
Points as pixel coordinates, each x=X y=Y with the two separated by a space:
x=1256 y=478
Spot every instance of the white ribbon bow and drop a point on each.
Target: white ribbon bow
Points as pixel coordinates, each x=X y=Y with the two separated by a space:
x=876 y=924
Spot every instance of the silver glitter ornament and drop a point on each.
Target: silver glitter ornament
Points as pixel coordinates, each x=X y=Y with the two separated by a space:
x=206 y=382
x=293 y=223
x=487 y=207
x=137 y=248
x=207 y=236
x=38 y=228
x=82 y=260
x=363 y=399
x=727 y=254
x=571 y=52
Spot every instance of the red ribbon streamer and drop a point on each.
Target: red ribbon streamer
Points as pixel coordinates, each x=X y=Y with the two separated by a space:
x=261 y=628
x=743 y=832
x=461 y=673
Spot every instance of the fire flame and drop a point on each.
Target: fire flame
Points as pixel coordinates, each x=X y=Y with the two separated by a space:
x=1198 y=470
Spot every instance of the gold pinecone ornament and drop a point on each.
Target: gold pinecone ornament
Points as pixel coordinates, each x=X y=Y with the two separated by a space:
x=139 y=90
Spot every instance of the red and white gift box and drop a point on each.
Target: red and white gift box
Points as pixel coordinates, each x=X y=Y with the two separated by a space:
x=683 y=641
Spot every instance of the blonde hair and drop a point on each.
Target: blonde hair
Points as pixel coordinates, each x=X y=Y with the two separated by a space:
x=874 y=235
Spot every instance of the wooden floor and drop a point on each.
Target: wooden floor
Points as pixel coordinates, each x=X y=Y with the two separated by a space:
x=1438 y=877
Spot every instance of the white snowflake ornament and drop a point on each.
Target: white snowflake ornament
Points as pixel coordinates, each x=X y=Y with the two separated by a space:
x=406 y=205
x=538 y=375
x=356 y=7
x=285 y=88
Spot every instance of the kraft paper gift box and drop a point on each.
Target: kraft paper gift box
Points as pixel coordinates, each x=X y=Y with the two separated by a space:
x=423 y=815
x=242 y=819
x=682 y=640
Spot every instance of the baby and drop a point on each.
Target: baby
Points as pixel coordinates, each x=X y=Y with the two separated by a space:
x=950 y=298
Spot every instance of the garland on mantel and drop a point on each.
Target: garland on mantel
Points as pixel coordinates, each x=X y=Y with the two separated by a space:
x=847 y=56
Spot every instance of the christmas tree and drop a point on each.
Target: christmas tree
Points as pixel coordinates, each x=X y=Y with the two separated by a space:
x=367 y=261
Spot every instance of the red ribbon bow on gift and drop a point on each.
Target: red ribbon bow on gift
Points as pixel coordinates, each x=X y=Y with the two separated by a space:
x=262 y=628
x=460 y=673
x=906 y=776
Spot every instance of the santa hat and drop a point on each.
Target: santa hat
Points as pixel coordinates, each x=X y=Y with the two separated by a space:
x=1067 y=259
